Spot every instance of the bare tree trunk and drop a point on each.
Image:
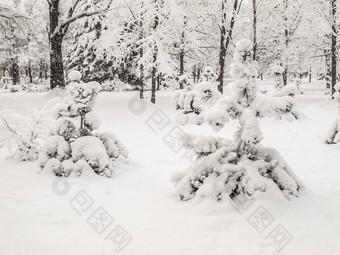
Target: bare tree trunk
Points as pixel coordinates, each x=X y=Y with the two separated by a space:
x=182 y=53
x=328 y=69
x=285 y=74
x=333 y=47
x=225 y=39
x=223 y=50
x=141 y=75
x=15 y=72
x=310 y=75
x=154 y=60
x=198 y=74
x=29 y=69
x=194 y=74
x=254 y=30
x=57 y=67
x=41 y=69
x=56 y=39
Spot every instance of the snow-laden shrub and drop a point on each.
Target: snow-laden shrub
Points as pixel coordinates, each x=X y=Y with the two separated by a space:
x=278 y=73
x=209 y=74
x=24 y=134
x=73 y=147
x=333 y=135
x=13 y=88
x=91 y=150
x=193 y=104
x=114 y=85
x=242 y=167
x=26 y=86
x=288 y=90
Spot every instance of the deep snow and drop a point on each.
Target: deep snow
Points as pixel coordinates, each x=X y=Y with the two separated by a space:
x=36 y=220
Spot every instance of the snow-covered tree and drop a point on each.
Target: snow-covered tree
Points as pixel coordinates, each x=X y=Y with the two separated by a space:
x=86 y=52
x=194 y=104
x=24 y=134
x=242 y=167
x=73 y=146
x=62 y=15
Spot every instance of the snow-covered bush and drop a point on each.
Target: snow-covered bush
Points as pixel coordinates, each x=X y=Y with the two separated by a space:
x=24 y=134
x=209 y=74
x=13 y=88
x=73 y=146
x=333 y=135
x=242 y=167
x=278 y=73
x=185 y=81
x=114 y=85
x=193 y=104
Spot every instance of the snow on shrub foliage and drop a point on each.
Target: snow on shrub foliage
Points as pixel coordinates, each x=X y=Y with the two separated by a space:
x=24 y=134
x=240 y=168
x=333 y=136
x=193 y=104
x=73 y=147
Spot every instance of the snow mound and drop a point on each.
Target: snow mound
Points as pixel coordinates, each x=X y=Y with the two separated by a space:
x=91 y=150
x=74 y=76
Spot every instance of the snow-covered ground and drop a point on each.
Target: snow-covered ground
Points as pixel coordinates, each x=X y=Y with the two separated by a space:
x=39 y=215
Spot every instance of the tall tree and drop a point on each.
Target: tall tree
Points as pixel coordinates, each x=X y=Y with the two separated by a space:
x=58 y=29
x=226 y=36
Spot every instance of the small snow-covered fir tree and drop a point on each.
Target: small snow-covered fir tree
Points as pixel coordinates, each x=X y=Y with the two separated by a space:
x=280 y=90
x=242 y=167
x=278 y=73
x=209 y=74
x=193 y=104
x=73 y=146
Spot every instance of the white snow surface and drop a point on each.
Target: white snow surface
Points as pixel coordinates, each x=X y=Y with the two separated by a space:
x=36 y=220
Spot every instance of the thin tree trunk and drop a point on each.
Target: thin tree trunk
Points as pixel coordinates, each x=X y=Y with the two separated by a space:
x=194 y=74
x=223 y=50
x=182 y=53
x=30 y=71
x=154 y=60
x=254 y=30
x=198 y=74
x=285 y=74
x=15 y=72
x=333 y=47
x=141 y=74
x=225 y=40
x=41 y=69
x=328 y=69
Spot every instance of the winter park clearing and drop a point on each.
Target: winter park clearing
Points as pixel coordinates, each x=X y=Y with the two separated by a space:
x=41 y=214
